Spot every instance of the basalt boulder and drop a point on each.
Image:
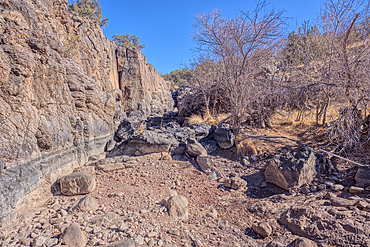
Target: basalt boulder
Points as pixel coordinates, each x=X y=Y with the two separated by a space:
x=294 y=168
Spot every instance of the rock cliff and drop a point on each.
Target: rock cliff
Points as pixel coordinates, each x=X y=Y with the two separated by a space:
x=64 y=87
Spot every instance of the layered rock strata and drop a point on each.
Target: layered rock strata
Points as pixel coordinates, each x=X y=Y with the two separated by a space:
x=64 y=88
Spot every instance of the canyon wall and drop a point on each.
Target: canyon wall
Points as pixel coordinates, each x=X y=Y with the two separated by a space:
x=64 y=87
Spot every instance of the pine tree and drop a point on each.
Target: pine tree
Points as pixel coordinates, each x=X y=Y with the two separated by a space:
x=89 y=9
x=128 y=41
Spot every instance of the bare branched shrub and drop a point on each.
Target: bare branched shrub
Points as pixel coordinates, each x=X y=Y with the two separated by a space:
x=326 y=66
x=240 y=47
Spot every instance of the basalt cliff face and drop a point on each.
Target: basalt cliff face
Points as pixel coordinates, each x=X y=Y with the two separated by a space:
x=64 y=88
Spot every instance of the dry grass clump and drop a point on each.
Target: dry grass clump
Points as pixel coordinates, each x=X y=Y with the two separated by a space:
x=252 y=145
x=207 y=118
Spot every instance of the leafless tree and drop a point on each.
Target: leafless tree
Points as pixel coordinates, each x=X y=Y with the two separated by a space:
x=240 y=46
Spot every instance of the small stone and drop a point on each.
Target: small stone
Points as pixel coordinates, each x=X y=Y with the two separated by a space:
x=123 y=227
x=254 y=157
x=341 y=202
x=140 y=240
x=322 y=186
x=304 y=242
x=362 y=204
x=96 y=230
x=38 y=242
x=63 y=213
x=246 y=162
x=355 y=190
x=152 y=234
x=73 y=236
x=151 y=242
x=313 y=188
x=262 y=229
x=305 y=190
x=329 y=183
x=212 y=214
x=198 y=243
x=174 y=232
x=337 y=187
x=263 y=185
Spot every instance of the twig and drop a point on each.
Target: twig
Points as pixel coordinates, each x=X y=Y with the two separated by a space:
x=342 y=158
x=223 y=121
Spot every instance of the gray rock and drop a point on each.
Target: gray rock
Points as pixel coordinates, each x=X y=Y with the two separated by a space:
x=295 y=168
x=123 y=243
x=205 y=163
x=85 y=204
x=209 y=144
x=39 y=241
x=73 y=236
x=224 y=137
x=337 y=187
x=140 y=240
x=201 y=130
x=356 y=190
x=194 y=148
x=236 y=183
x=262 y=229
x=77 y=183
x=363 y=177
x=341 y=202
x=110 y=145
x=304 y=242
x=178 y=208
x=146 y=143
x=125 y=130
x=181 y=135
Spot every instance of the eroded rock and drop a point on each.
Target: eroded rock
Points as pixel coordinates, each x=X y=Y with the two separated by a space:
x=77 y=183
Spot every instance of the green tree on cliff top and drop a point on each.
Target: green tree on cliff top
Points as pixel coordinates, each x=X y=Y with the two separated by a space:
x=89 y=9
x=128 y=40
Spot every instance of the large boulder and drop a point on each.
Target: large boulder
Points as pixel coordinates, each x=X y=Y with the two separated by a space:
x=77 y=183
x=194 y=148
x=363 y=177
x=294 y=168
x=224 y=137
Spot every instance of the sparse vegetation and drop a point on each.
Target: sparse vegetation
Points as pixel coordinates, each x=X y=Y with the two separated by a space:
x=88 y=9
x=128 y=40
x=318 y=74
x=179 y=77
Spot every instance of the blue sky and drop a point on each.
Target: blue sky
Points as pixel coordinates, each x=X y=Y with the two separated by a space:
x=165 y=27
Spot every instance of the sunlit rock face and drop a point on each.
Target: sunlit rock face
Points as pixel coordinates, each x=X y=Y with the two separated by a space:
x=64 y=87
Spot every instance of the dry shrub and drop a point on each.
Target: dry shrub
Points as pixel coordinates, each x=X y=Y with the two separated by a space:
x=251 y=145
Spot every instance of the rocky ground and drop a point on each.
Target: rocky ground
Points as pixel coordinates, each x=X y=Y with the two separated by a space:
x=130 y=204
x=163 y=200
